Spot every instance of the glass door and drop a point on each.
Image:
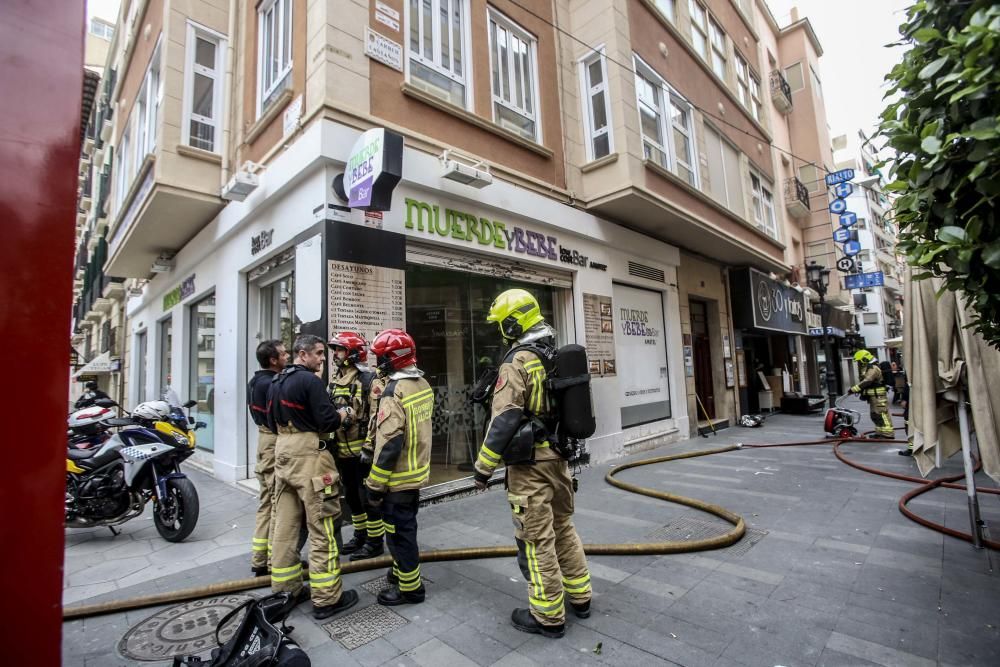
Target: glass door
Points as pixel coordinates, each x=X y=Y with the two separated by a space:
x=201 y=384
x=140 y=347
x=277 y=307
x=166 y=351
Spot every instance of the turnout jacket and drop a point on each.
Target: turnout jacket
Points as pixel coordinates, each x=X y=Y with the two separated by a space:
x=347 y=390
x=402 y=458
x=519 y=393
x=374 y=394
x=257 y=390
x=298 y=398
x=871 y=382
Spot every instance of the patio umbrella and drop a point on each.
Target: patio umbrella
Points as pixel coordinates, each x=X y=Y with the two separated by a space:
x=949 y=371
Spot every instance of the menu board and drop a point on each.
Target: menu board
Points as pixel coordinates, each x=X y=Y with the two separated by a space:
x=364 y=298
x=599 y=327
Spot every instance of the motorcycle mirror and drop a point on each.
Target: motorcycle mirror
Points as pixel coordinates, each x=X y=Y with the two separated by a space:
x=199 y=425
x=190 y=404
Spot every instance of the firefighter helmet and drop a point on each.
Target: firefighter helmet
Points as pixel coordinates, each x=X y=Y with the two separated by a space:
x=394 y=349
x=515 y=311
x=355 y=345
x=864 y=357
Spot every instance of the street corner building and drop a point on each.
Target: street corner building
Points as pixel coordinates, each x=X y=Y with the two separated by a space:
x=270 y=169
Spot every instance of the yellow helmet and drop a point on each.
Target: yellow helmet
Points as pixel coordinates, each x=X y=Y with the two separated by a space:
x=864 y=357
x=515 y=311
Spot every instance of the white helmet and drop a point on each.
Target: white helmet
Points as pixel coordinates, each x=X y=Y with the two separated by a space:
x=152 y=410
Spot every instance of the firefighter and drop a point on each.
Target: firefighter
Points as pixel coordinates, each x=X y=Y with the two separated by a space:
x=401 y=460
x=872 y=389
x=306 y=481
x=350 y=388
x=272 y=357
x=540 y=490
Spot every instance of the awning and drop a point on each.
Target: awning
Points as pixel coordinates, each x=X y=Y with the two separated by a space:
x=896 y=342
x=100 y=364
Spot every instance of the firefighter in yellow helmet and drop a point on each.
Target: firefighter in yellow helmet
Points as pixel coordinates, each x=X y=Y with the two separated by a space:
x=872 y=389
x=540 y=490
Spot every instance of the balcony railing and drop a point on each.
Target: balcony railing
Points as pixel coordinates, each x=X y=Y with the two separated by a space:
x=796 y=198
x=781 y=92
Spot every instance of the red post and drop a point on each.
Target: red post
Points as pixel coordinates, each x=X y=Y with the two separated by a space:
x=41 y=76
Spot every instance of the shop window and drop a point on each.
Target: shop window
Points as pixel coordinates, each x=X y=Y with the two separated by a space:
x=166 y=343
x=140 y=361
x=596 y=112
x=514 y=76
x=446 y=315
x=699 y=28
x=201 y=369
x=436 y=56
x=277 y=308
x=274 y=50
x=641 y=347
x=203 y=88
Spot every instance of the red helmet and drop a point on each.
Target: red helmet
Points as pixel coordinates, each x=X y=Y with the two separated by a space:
x=394 y=349
x=354 y=343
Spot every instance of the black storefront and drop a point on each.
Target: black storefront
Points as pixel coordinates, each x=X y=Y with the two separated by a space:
x=843 y=342
x=768 y=318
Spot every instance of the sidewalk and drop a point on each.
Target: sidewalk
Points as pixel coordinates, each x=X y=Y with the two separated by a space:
x=830 y=573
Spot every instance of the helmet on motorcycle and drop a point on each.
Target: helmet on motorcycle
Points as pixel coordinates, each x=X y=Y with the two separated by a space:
x=864 y=357
x=355 y=345
x=515 y=311
x=152 y=410
x=394 y=349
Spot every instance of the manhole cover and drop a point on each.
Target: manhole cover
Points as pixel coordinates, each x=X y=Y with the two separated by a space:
x=687 y=529
x=376 y=586
x=182 y=630
x=364 y=626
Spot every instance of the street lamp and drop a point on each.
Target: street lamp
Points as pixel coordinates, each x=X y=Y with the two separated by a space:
x=819 y=279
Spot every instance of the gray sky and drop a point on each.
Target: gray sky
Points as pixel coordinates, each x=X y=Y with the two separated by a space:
x=853 y=34
x=106 y=9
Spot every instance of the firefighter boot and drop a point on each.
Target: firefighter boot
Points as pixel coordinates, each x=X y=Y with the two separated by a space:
x=393 y=597
x=525 y=622
x=581 y=610
x=347 y=600
x=357 y=542
x=371 y=549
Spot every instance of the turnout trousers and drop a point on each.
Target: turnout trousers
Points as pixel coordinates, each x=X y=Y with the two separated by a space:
x=878 y=403
x=262 y=533
x=306 y=489
x=366 y=519
x=549 y=551
x=399 y=515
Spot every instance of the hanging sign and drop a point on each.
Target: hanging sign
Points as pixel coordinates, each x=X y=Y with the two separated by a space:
x=861 y=280
x=838 y=206
x=374 y=167
x=842 y=235
x=848 y=219
x=843 y=190
x=852 y=248
x=839 y=176
x=846 y=265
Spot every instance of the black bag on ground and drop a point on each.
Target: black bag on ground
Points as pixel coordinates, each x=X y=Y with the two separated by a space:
x=258 y=641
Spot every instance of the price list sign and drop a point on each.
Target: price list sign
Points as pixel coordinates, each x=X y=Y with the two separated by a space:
x=598 y=326
x=366 y=299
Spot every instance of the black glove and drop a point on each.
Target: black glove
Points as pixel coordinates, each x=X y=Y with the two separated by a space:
x=375 y=498
x=482 y=481
x=365 y=462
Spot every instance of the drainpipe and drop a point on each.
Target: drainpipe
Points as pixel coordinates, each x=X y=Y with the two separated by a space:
x=229 y=92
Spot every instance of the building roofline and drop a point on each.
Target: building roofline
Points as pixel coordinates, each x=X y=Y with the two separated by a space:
x=765 y=9
x=810 y=33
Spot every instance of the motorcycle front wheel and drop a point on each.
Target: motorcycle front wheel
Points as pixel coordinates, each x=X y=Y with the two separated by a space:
x=178 y=515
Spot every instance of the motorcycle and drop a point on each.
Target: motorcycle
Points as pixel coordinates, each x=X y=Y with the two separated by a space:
x=111 y=484
x=87 y=427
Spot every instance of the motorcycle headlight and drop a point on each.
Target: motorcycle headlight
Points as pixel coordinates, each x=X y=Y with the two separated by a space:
x=181 y=439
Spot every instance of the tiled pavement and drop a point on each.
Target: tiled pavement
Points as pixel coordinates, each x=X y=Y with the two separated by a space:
x=841 y=577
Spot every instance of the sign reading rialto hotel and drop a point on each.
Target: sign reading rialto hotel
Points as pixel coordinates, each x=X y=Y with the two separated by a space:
x=432 y=219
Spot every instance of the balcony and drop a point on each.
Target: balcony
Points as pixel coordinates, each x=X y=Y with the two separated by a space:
x=797 y=198
x=781 y=92
x=114 y=288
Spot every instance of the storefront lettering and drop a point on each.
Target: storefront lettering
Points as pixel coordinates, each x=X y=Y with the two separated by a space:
x=636 y=323
x=261 y=241
x=424 y=217
x=179 y=293
x=572 y=257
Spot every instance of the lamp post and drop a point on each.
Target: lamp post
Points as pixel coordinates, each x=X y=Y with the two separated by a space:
x=819 y=279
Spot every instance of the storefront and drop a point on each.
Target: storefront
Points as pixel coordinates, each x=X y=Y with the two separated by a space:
x=770 y=321
x=432 y=264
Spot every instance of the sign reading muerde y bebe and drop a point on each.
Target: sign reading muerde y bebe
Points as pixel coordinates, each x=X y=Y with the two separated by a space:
x=374 y=167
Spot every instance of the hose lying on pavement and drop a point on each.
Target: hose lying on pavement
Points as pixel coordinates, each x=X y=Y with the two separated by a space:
x=470 y=553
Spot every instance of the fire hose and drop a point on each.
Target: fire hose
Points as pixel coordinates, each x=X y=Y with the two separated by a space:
x=726 y=539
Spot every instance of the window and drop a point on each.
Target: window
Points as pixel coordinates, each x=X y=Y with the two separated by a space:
x=101 y=29
x=669 y=145
x=861 y=224
x=865 y=256
x=793 y=74
x=743 y=81
x=201 y=371
x=437 y=46
x=166 y=338
x=763 y=205
x=596 y=112
x=718 y=49
x=146 y=113
x=667 y=8
x=725 y=184
x=699 y=28
x=755 y=105
x=512 y=61
x=811 y=178
x=203 y=89
x=817 y=86
x=870 y=318
x=140 y=361
x=274 y=50
x=121 y=170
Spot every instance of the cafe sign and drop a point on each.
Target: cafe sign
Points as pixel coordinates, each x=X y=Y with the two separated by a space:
x=179 y=293
x=374 y=167
x=760 y=302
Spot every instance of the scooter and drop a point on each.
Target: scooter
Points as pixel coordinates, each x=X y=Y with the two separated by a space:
x=841 y=422
x=111 y=484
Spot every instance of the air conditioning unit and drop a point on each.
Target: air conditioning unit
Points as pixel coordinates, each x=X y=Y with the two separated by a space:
x=163 y=263
x=241 y=185
x=465 y=171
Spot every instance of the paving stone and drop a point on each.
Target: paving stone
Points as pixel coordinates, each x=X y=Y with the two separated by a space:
x=876 y=653
x=435 y=652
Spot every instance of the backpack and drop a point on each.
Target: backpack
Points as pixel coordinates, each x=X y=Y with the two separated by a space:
x=258 y=641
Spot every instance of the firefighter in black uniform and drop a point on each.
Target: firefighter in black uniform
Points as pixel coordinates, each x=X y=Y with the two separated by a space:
x=299 y=410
